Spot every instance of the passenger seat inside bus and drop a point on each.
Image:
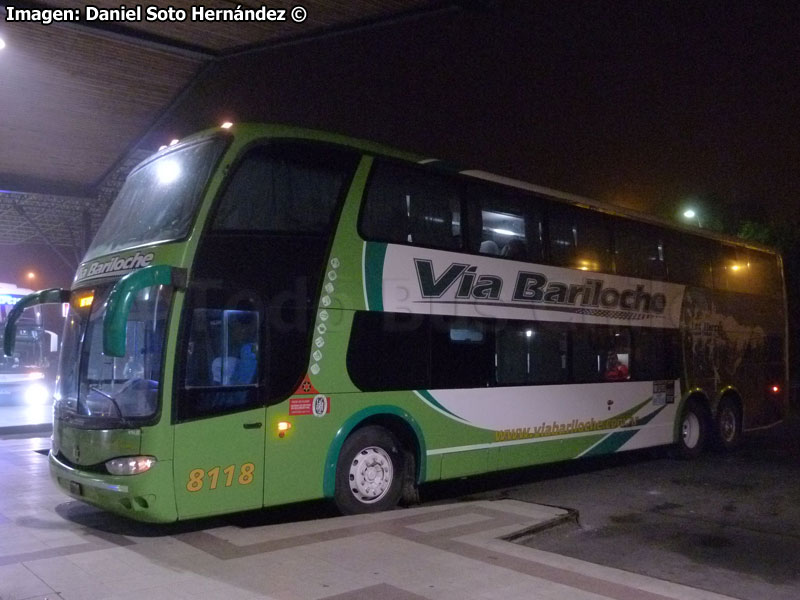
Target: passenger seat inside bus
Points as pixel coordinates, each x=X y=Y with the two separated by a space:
x=489 y=247
x=238 y=372
x=218 y=377
x=515 y=249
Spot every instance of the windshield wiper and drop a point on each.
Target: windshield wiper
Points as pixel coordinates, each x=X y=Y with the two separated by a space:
x=122 y=418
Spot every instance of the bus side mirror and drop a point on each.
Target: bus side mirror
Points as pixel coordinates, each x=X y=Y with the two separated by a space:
x=51 y=296
x=121 y=298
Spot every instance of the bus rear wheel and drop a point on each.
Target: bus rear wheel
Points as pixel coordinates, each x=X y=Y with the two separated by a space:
x=693 y=430
x=729 y=424
x=369 y=472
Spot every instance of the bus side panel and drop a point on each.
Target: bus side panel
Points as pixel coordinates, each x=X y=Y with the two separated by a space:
x=470 y=462
x=218 y=464
x=538 y=424
x=319 y=424
x=543 y=452
x=736 y=341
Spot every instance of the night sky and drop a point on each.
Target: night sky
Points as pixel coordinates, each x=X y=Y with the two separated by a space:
x=650 y=105
x=642 y=104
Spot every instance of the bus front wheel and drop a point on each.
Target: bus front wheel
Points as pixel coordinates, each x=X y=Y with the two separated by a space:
x=369 y=472
x=693 y=431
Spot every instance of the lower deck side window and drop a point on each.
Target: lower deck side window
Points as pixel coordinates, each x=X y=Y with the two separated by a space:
x=531 y=353
x=222 y=362
x=393 y=351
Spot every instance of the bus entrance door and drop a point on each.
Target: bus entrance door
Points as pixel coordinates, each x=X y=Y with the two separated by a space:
x=219 y=463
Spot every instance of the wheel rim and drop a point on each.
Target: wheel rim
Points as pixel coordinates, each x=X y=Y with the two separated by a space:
x=691 y=430
x=371 y=474
x=727 y=424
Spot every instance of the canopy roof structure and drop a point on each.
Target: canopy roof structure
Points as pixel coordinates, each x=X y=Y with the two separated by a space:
x=78 y=97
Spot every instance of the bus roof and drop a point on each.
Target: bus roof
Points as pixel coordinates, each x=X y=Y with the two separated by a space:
x=254 y=131
x=617 y=210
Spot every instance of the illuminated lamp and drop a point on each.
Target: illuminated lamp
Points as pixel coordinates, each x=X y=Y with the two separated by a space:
x=283 y=427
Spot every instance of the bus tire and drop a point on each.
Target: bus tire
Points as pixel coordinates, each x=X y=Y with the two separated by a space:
x=729 y=424
x=369 y=472
x=693 y=430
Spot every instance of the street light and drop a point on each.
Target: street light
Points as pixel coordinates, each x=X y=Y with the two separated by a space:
x=690 y=214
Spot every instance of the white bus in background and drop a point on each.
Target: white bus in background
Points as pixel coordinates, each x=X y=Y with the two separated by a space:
x=23 y=375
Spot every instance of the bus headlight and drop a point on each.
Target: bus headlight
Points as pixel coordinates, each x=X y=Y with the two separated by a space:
x=130 y=465
x=37 y=393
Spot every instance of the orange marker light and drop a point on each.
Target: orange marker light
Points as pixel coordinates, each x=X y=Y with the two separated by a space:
x=283 y=427
x=85 y=301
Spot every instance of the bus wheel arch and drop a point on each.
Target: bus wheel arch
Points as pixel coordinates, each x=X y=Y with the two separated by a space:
x=694 y=427
x=410 y=447
x=370 y=471
x=387 y=440
x=728 y=421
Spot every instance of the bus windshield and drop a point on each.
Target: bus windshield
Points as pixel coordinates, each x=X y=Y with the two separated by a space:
x=107 y=391
x=159 y=199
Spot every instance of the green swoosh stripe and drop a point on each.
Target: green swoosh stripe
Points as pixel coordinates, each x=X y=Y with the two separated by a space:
x=612 y=443
x=645 y=420
x=426 y=395
x=374 y=256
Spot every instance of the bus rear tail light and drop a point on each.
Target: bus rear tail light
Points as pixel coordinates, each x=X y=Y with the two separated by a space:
x=130 y=465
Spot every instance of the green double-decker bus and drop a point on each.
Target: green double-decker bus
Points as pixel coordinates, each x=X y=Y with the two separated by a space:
x=270 y=315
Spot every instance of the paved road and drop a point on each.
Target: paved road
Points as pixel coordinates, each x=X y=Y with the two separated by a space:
x=728 y=523
x=54 y=547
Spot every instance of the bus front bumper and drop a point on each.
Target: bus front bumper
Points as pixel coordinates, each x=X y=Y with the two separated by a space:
x=144 y=497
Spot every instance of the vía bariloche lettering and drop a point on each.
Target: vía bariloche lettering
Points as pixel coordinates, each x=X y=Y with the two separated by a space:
x=534 y=288
x=120 y=263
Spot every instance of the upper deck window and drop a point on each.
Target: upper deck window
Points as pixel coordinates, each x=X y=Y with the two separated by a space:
x=639 y=249
x=159 y=199
x=579 y=238
x=405 y=205
x=765 y=273
x=689 y=259
x=506 y=223
x=285 y=188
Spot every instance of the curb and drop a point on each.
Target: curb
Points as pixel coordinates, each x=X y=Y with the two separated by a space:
x=572 y=515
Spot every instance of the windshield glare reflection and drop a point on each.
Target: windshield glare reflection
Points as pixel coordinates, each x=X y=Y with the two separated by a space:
x=159 y=199
x=168 y=171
